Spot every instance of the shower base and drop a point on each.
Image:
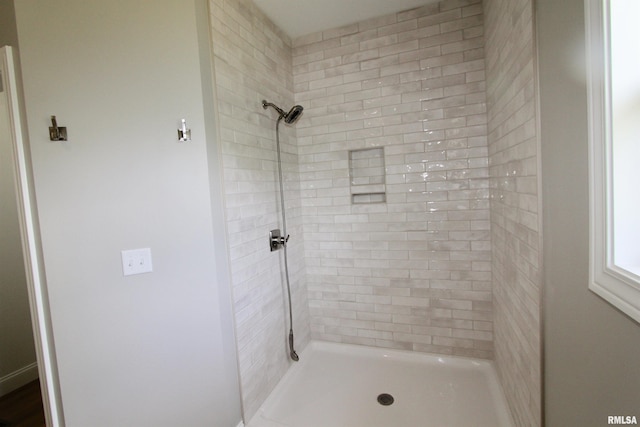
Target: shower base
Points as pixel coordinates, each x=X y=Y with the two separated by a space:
x=341 y=385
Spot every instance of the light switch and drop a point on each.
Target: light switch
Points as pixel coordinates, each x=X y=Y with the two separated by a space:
x=136 y=261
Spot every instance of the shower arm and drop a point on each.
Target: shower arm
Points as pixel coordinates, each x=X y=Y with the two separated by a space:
x=266 y=104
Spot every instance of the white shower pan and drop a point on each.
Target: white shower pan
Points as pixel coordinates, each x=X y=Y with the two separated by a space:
x=338 y=385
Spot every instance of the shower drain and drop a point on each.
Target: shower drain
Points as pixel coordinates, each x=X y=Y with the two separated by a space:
x=385 y=399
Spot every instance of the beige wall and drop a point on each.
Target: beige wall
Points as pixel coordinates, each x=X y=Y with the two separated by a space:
x=152 y=349
x=8 y=30
x=591 y=349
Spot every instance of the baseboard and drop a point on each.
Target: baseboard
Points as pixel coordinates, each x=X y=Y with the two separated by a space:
x=18 y=378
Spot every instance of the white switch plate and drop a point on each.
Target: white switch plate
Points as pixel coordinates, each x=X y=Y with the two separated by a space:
x=136 y=261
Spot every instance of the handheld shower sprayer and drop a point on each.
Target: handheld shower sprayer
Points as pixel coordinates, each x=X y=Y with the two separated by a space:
x=289 y=118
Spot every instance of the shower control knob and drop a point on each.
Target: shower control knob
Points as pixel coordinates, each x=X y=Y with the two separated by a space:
x=276 y=240
x=284 y=240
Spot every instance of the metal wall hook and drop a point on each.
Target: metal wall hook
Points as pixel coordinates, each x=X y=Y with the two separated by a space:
x=57 y=133
x=184 y=134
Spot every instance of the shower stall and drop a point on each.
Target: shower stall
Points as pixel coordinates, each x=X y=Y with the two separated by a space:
x=407 y=197
x=408 y=188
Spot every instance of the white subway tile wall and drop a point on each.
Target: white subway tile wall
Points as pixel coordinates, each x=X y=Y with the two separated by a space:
x=515 y=201
x=252 y=61
x=413 y=272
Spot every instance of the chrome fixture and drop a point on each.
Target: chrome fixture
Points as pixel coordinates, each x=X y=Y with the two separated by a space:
x=184 y=134
x=289 y=117
x=57 y=133
x=277 y=240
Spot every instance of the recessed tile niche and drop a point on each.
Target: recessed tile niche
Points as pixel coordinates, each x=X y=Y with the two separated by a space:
x=367 y=171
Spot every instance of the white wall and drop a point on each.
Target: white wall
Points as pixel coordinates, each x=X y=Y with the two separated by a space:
x=151 y=349
x=591 y=349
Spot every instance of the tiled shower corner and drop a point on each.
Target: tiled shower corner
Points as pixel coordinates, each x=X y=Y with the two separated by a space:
x=515 y=202
x=252 y=61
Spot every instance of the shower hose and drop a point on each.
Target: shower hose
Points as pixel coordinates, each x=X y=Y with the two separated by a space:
x=292 y=352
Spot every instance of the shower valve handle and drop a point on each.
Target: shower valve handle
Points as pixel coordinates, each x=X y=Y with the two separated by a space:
x=276 y=241
x=284 y=240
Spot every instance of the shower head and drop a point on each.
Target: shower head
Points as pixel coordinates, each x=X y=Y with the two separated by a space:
x=293 y=114
x=289 y=117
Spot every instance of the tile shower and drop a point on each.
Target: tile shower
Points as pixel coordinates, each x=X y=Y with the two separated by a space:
x=414 y=272
x=399 y=259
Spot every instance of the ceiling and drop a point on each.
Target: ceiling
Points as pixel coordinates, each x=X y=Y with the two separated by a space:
x=300 y=17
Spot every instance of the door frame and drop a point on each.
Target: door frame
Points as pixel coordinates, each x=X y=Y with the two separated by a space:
x=32 y=248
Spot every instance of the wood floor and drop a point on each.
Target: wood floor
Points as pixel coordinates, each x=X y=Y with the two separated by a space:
x=22 y=407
